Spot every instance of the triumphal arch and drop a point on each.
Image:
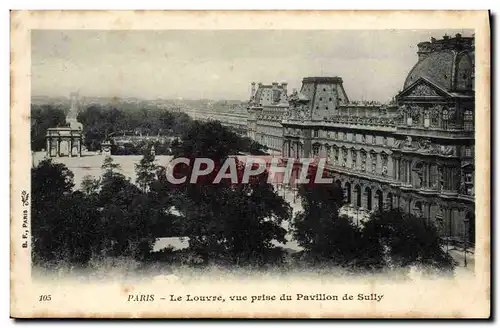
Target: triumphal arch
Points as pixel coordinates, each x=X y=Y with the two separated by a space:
x=66 y=140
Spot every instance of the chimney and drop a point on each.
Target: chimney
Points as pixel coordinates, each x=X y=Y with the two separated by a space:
x=284 y=86
x=424 y=49
x=275 y=85
x=253 y=90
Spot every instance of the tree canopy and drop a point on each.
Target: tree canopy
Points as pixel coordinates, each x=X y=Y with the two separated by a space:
x=44 y=117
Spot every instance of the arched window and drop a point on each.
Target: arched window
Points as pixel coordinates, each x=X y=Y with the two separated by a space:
x=315 y=149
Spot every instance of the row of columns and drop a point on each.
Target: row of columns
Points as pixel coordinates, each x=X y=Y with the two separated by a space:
x=430 y=175
x=272 y=142
x=371 y=157
x=368 y=198
x=449 y=220
x=293 y=149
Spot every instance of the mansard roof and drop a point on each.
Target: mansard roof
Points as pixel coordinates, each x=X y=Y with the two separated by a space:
x=448 y=63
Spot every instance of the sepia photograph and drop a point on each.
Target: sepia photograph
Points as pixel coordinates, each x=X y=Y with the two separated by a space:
x=203 y=159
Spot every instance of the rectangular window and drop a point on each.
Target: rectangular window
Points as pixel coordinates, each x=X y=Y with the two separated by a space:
x=354 y=157
x=468 y=152
x=468 y=121
x=316 y=133
x=435 y=119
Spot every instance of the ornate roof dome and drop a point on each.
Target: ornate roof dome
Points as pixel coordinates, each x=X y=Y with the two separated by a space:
x=449 y=63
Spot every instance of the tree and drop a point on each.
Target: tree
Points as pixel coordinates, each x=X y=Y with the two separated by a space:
x=90 y=185
x=146 y=171
x=405 y=240
x=50 y=181
x=228 y=223
x=64 y=225
x=111 y=169
x=326 y=237
x=42 y=118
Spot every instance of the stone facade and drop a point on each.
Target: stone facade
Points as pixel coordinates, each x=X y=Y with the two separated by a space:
x=415 y=153
x=64 y=141
x=267 y=105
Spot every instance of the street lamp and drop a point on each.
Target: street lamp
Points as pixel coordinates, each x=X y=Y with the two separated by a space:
x=357 y=216
x=441 y=224
x=466 y=221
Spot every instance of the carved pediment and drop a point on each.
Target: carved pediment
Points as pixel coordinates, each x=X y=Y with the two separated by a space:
x=423 y=88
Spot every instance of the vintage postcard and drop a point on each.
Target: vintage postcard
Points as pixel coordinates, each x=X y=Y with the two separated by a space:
x=250 y=164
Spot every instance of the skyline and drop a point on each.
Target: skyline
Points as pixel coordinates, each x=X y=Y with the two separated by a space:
x=221 y=64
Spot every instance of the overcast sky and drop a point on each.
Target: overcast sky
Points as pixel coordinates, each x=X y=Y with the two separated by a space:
x=221 y=64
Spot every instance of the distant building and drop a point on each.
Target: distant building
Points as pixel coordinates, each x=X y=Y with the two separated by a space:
x=267 y=105
x=416 y=153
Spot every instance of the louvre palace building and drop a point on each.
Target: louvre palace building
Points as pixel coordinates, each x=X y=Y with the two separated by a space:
x=267 y=106
x=415 y=153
